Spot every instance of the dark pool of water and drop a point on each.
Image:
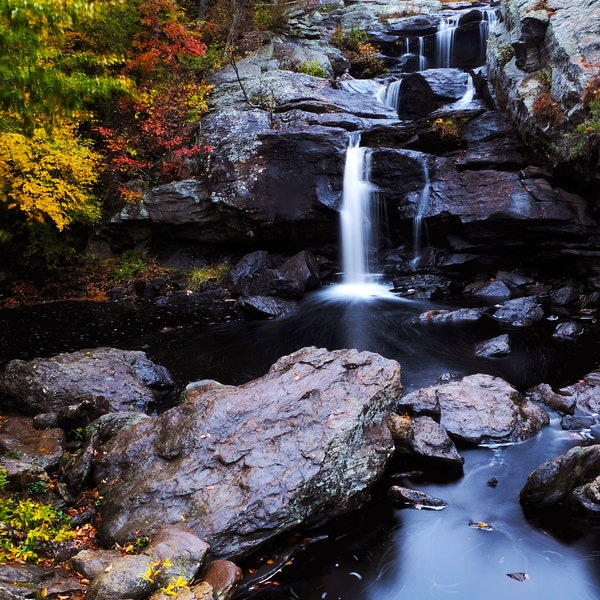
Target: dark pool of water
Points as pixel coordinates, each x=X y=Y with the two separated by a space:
x=384 y=553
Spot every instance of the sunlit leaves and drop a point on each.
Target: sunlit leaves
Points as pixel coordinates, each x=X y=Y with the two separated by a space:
x=48 y=177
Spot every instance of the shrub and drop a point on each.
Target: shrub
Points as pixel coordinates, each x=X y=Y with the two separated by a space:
x=313 y=68
x=198 y=277
x=28 y=527
x=547 y=110
x=130 y=264
x=446 y=128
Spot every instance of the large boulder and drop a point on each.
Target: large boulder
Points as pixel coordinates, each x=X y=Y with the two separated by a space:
x=101 y=380
x=542 y=61
x=240 y=465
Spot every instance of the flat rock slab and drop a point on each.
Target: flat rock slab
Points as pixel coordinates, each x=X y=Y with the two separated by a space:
x=240 y=465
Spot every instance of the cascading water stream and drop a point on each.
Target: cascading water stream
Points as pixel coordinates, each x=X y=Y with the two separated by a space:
x=356 y=214
x=390 y=94
x=422 y=204
x=422 y=59
x=488 y=18
x=445 y=41
x=468 y=96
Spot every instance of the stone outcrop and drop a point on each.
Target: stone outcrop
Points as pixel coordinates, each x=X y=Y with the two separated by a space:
x=542 y=61
x=240 y=465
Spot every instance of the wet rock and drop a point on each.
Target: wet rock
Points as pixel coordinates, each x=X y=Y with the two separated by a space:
x=568 y=330
x=453 y=316
x=243 y=464
x=109 y=425
x=173 y=552
x=21 y=473
x=585 y=393
x=124 y=578
x=520 y=312
x=415 y=498
x=265 y=307
x=423 y=402
x=586 y=498
x=493 y=289
x=91 y=563
x=44 y=449
x=494 y=348
x=428 y=441
x=24 y=582
x=224 y=577
x=555 y=480
x=528 y=42
x=566 y=295
x=481 y=409
x=256 y=275
x=544 y=394
x=124 y=378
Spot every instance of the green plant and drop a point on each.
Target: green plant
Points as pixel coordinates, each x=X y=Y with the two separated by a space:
x=272 y=15
x=174 y=586
x=3 y=479
x=201 y=275
x=37 y=487
x=313 y=68
x=586 y=135
x=365 y=58
x=28 y=525
x=128 y=265
x=545 y=76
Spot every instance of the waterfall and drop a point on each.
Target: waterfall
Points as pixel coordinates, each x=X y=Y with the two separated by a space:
x=390 y=94
x=356 y=214
x=488 y=18
x=444 y=39
x=422 y=204
x=469 y=94
x=422 y=60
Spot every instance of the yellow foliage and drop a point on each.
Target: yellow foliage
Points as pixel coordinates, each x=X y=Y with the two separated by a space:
x=48 y=176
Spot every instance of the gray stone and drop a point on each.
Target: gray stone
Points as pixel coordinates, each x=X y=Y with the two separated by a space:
x=520 y=312
x=543 y=394
x=494 y=348
x=415 y=498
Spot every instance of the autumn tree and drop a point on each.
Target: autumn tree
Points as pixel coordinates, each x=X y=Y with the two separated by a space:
x=46 y=169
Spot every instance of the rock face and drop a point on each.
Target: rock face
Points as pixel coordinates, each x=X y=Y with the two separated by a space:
x=543 y=61
x=242 y=464
x=98 y=381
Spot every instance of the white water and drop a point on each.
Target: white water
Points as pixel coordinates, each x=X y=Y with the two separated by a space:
x=422 y=60
x=444 y=39
x=468 y=96
x=485 y=25
x=390 y=94
x=357 y=214
x=422 y=204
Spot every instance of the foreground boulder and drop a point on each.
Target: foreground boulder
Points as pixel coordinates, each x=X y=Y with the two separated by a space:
x=240 y=465
x=100 y=380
